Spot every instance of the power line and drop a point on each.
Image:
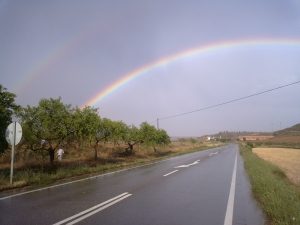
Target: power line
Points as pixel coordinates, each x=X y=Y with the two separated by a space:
x=228 y=102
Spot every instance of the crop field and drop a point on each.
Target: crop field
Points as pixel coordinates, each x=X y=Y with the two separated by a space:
x=286 y=159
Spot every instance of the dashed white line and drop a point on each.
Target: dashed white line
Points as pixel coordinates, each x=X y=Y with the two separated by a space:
x=170 y=173
x=230 y=203
x=93 y=210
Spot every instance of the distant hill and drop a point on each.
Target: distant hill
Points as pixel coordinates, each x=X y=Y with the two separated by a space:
x=234 y=135
x=290 y=134
x=290 y=131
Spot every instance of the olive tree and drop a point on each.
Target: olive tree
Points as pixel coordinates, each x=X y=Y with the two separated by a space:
x=131 y=137
x=153 y=137
x=86 y=123
x=47 y=125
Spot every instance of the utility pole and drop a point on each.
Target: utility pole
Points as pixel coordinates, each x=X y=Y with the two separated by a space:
x=157 y=123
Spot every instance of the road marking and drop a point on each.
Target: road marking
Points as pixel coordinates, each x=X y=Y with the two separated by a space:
x=98 y=210
x=93 y=210
x=185 y=166
x=170 y=173
x=213 y=153
x=230 y=203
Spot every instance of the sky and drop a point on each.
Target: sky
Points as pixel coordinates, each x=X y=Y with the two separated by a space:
x=78 y=49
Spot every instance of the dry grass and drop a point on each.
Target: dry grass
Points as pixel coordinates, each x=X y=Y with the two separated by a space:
x=27 y=158
x=286 y=159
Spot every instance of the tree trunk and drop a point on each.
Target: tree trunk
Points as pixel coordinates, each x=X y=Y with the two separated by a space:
x=129 y=150
x=96 y=151
x=51 y=152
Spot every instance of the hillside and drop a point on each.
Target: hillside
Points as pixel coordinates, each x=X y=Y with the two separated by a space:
x=289 y=137
x=290 y=131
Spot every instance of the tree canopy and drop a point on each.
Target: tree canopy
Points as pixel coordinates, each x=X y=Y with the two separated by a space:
x=7 y=108
x=52 y=123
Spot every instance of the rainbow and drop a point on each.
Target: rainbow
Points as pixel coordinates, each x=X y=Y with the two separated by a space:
x=164 y=61
x=43 y=66
x=55 y=56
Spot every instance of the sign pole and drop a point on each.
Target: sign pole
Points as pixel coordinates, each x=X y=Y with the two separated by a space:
x=12 y=154
x=13 y=135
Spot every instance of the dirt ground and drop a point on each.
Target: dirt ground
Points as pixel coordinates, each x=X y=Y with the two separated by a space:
x=285 y=158
x=285 y=139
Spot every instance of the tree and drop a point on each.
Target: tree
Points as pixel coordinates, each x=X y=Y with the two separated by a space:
x=153 y=137
x=148 y=134
x=47 y=125
x=7 y=108
x=162 y=137
x=104 y=130
x=109 y=130
x=132 y=136
x=118 y=131
x=85 y=123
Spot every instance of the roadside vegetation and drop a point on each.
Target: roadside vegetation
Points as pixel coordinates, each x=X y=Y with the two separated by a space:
x=278 y=197
x=91 y=144
x=78 y=164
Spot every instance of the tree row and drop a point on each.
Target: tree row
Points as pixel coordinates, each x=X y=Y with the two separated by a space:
x=52 y=124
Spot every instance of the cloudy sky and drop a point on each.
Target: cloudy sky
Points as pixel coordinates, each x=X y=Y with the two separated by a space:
x=77 y=48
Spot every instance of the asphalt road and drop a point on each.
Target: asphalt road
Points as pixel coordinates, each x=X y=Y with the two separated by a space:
x=208 y=187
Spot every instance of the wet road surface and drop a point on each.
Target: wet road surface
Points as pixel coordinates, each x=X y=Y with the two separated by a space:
x=208 y=187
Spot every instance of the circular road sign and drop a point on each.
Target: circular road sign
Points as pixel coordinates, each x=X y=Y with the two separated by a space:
x=9 y=134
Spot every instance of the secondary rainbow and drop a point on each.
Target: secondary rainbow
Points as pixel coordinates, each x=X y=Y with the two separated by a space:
x=55 y=56
x=204 y=49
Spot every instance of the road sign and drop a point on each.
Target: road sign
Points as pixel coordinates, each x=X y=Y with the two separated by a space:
x=13 y=128
x=13 y=136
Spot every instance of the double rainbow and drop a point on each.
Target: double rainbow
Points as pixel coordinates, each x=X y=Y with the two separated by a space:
x=205 y=49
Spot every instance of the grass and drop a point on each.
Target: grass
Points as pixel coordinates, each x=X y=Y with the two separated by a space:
x=286 y=159
x=278 y=197
x=39 y=175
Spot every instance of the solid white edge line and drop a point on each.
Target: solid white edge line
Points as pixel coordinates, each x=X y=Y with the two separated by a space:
x=100 y=175
x=170 y=173
x=230 y=203
x=98 y=210
x=90 y=209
